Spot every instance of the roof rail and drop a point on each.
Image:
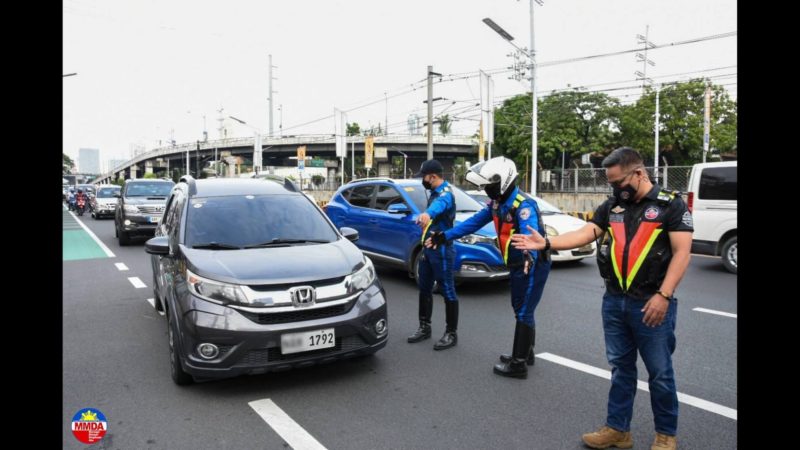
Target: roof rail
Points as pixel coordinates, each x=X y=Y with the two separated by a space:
x=189 y=180
x=391 y=180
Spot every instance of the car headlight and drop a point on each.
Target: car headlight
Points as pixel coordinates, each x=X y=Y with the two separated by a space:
x=476 y=239
x=362 y=278
x=550 y=230
x=214 y=291
x=130 y=209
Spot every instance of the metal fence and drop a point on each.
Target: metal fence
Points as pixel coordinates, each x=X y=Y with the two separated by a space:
x=595 y=181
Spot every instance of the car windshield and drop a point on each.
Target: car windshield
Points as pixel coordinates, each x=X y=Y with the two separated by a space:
x=155 y=189
x=464 y=203
x=107 y=192
x=255 y=221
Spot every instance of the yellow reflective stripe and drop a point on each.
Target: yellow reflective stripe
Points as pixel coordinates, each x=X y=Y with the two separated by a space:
x=614 y=262
x=643 y=255
x=508 y=243
x=424 y=232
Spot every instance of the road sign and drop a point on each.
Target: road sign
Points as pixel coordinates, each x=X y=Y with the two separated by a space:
x=301 y=157
x=368 y=150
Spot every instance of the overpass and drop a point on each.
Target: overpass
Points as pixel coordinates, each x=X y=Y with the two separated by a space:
x=279 y=151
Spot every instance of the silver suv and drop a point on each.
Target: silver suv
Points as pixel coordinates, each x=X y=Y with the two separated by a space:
x=140 y=207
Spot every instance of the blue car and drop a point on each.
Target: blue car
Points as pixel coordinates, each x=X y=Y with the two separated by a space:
x=384 y=211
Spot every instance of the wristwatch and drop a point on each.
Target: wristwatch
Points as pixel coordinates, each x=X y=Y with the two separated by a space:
x=546 y=243
x=663 y=294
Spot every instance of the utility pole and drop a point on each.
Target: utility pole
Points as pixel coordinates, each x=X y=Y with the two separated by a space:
x=642 y=57
x=430 y=112
x=270 y=93
x=431 y=73
x=655 y=160
x=386 y=119
x=220 y=128
x=535 y=115
x=706 y=120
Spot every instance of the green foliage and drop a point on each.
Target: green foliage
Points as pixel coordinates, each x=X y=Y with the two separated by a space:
x=67 y=164
x=353 y=129
x=150 y=175
x=445 y=124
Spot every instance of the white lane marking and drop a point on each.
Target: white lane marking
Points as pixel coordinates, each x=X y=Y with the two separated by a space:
x=108 y=252
x=602 y=373
x=291 y=432
x=152 y=302
x=136 y=282
x=713 y=311
x=121 y=266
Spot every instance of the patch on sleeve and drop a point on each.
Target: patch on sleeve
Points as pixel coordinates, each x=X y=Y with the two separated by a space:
x=687 y=219
x=524 y=213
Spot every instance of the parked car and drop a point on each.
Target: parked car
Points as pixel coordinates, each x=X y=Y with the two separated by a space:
x=712 y=200
x=555 y=222
x=253 y=277
x=104 y=203
x=383 y=211
x=140 y=207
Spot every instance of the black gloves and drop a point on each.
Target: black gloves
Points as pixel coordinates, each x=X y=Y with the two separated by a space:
x=437 y=238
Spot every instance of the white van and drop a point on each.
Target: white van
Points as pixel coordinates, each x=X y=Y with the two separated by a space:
x=712 y=201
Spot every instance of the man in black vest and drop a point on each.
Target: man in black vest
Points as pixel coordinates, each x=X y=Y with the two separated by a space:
x=646 y=254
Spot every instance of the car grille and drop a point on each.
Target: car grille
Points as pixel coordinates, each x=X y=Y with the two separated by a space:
x=263 y=356
x=285 y=287
x=298 y=315
x=151 y=209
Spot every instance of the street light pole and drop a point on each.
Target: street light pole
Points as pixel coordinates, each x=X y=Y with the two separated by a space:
x=535 y=107
x=256 y=144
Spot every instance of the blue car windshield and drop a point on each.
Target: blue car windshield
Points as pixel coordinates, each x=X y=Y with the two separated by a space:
x=149 y=189
x=464 y=203
x=255 y=220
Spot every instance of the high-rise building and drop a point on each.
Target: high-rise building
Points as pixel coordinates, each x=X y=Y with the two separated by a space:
x=89 y=160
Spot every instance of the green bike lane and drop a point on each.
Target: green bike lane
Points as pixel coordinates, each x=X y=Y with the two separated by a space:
x=79 y=242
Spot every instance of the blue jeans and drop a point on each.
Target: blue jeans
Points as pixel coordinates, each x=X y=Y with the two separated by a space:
x=625 y=333
x=437 y=265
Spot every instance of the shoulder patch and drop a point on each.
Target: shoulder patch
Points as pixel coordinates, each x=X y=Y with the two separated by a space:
x=524 y=213
x=687 y=219
x=666 y=196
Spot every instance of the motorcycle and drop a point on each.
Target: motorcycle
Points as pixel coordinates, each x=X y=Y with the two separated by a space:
x=80 y=205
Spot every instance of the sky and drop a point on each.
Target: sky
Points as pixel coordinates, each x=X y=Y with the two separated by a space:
x=149 y=70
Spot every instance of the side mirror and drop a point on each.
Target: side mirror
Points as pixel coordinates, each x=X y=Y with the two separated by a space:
x=398 y=208
x=157 y=246
x=350 y=234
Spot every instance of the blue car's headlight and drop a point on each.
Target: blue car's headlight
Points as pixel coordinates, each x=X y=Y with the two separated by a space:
x=476 y=239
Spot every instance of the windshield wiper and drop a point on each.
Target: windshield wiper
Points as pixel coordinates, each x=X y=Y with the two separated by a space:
x=466 y=210
x=216 y=246
x=284 y=242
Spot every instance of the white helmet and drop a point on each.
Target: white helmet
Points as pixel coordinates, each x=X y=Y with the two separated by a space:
x=496 y=176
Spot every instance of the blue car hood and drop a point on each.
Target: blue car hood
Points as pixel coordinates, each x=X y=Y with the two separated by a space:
x=487 y=230
x=276 y=265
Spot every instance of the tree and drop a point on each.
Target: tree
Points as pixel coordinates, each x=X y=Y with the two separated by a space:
x=459 y=170
x=67 y=164
x=681 y=108
x=317 y=180
x=444 y=124
x=120 y=181
x=150 y=175
x=353 y=129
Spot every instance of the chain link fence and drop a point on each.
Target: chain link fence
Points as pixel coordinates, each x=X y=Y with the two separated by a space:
x=595 y=181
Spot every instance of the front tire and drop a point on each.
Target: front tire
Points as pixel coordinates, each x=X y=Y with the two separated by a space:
x=179 y=377
x=729 y=254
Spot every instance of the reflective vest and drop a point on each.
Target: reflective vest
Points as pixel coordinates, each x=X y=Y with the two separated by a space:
x=506 y=228
x=631 y=260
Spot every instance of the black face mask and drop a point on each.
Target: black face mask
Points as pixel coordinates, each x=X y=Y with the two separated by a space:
x=493 y=191
x=426 y=184
x=626 y=194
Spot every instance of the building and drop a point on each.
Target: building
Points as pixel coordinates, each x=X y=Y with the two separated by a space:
x=89 y=160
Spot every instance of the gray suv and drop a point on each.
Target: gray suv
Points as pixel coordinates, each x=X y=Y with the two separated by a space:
x=140 y=207
x=253 y=277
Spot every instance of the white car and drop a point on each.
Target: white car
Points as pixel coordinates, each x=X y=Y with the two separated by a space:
x=713 y=203
x=104 y=203
x=555 y=222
